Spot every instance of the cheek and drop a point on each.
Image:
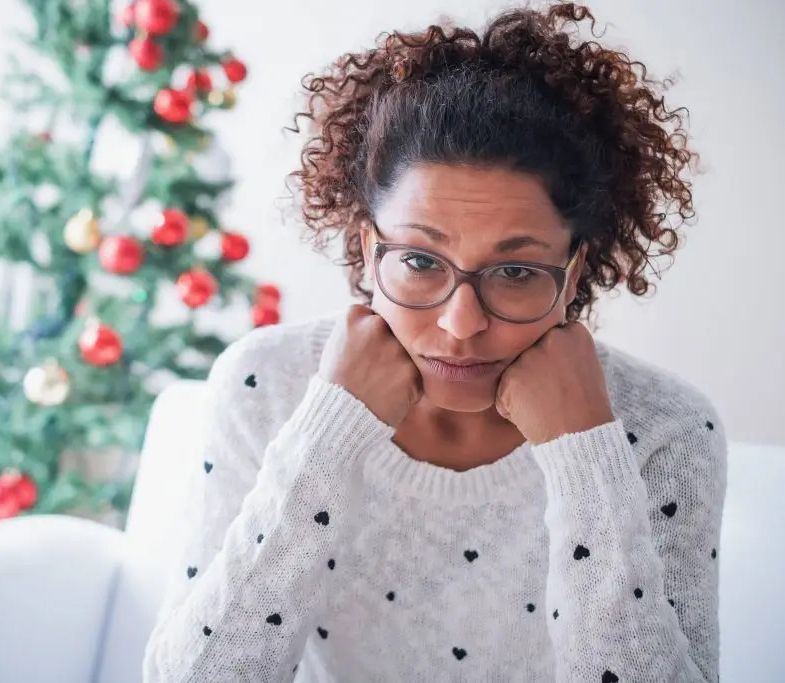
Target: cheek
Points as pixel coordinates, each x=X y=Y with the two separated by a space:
x=514 y=342
x=530 y=334
x=405 y=324
x=511 y=340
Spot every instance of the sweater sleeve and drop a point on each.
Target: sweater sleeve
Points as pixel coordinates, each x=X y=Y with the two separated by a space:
x=245 y=609
x=632 y=587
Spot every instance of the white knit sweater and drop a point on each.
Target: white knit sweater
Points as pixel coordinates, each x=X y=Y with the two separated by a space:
x=316 y=550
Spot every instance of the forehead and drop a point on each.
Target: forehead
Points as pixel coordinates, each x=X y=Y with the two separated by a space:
x=458 y=199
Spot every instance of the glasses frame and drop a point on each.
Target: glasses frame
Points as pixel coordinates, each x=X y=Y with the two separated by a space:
x=473 y=277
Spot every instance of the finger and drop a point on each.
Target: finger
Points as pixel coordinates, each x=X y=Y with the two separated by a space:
x=360 y=310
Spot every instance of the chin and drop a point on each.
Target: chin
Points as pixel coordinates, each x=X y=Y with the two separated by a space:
x=461 y=397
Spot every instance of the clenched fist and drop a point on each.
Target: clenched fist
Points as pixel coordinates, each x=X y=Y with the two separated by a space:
x=364 y=357
x=555 y=387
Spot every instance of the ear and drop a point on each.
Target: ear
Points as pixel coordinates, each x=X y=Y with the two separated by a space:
x=365 y=239
x=367 y=245
x=575 y=274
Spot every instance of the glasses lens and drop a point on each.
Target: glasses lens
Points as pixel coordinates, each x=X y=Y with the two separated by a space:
x=518 y=292
x=413 y=278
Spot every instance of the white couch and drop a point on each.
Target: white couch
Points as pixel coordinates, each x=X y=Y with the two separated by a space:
x=78 y=599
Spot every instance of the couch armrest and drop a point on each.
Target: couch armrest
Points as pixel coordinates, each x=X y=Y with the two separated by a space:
x=58 y=576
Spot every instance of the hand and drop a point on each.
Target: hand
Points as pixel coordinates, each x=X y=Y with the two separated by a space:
x=556 y=386
x=364 y=357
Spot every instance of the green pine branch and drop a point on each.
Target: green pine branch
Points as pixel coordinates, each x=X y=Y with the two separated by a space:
x=107 y=407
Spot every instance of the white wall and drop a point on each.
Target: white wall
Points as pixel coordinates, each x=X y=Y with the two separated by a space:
x=716 y=319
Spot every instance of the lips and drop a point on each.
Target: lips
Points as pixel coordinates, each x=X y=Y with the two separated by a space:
x=462 y=369
x=468 y=360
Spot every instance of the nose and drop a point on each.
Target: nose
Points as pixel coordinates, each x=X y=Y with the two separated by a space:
x=462 y=315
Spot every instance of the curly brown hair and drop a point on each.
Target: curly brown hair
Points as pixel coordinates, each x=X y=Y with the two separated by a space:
x=522 y=96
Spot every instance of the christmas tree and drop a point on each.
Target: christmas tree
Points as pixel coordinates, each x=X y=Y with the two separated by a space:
x=78 y=378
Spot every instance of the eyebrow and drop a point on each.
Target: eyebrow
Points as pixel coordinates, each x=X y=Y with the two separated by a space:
x=509 y=244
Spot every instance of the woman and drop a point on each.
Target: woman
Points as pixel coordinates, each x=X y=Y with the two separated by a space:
x=453 y=481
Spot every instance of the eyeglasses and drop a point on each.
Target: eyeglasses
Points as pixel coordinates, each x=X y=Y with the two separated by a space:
x=513 y=291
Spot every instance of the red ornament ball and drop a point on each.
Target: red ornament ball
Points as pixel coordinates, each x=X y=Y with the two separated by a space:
x=196 y=287
x=173 y=105
x=156 y=16
x=267 y=293
x=100 y=345
x=199 y=81
x=127 y=16
x=148 y=54
x=171 y=229
x=234 y=246
x=201 y=31
x=9 y=507
x=18 y=491
x=26 y=492
x=265 y=315
x=235 y=70
x=9 y=480
x=120 y=255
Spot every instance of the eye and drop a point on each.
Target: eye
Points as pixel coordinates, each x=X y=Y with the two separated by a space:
x=420 y=262
x=517 y=273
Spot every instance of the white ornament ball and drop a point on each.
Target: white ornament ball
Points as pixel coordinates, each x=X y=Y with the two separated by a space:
x=47 y=384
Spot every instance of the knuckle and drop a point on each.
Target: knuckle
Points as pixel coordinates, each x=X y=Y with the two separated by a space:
x=377 y=321
x=356 y=312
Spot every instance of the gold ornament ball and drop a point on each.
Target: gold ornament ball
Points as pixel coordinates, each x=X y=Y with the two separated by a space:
x=198 y=227
x=47 y=384
x=225 y=99
x=82 y=233
x=230 y=99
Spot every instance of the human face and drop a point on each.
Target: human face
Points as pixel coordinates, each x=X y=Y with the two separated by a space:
x=467 y=214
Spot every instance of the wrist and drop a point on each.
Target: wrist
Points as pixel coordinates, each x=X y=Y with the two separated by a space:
x=334 y=418
x=576 y=425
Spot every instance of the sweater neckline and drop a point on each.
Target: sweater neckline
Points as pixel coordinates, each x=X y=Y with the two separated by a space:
x=392 y=469
x=504 y=480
